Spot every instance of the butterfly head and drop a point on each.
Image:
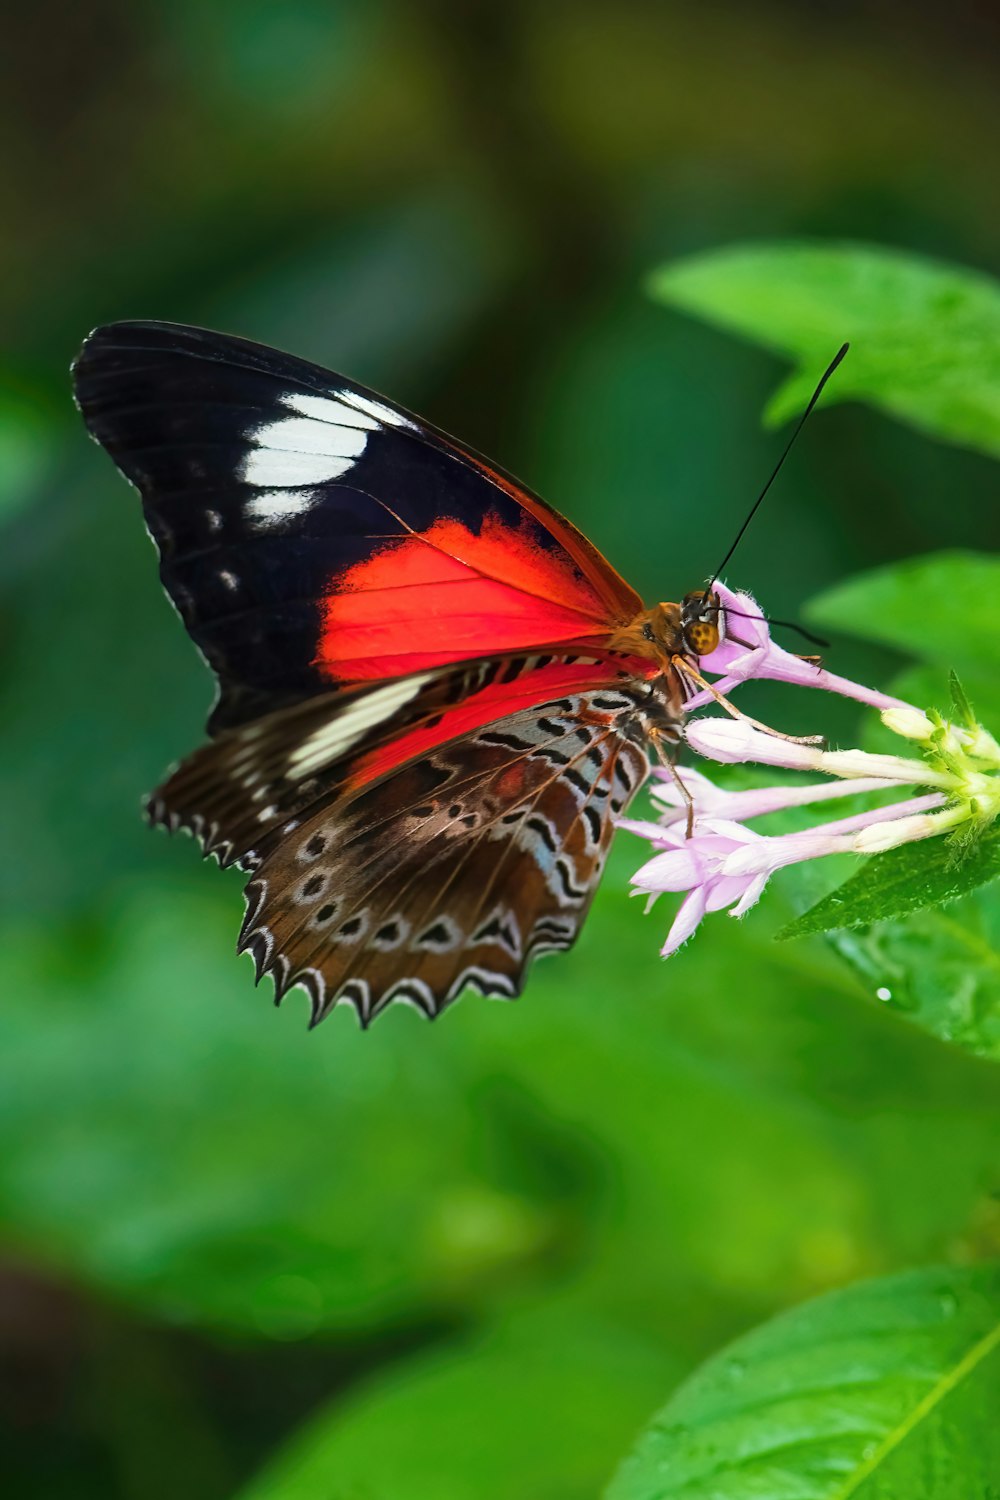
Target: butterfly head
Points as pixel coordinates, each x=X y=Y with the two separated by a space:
x=693 y=628
x=702 y=622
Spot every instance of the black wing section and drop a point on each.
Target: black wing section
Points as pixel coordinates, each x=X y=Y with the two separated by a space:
x=265 y=477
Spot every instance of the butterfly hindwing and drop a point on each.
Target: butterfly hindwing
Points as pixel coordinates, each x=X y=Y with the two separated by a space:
x=456 y=869
x=312 y=533
x=257 y=782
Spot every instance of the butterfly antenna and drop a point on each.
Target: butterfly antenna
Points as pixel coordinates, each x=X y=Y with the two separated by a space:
x=807 y=635
x=835 y=361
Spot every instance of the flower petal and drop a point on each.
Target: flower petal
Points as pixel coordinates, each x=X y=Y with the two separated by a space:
x=876 y=840
x=733 y=741
x=759 y=801
x=674 y=870
x=751 y=895
x=658 y=833
x=691 y=911
x=726 y=889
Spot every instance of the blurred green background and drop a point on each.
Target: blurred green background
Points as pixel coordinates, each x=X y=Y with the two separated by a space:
x=475 y=1255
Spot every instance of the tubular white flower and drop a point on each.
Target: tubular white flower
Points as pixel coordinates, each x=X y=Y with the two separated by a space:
x=877 y=839
x=713 y=801
x=910 y=723
x=733 y=741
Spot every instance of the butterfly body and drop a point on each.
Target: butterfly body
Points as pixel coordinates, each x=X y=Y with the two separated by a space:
x=435 y=695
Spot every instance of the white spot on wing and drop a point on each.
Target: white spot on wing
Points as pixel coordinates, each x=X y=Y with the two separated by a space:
x=332 y=739
x=377 y=409
x=297 y=451
x=322 y=440
x=326 y=409
x=274 y=507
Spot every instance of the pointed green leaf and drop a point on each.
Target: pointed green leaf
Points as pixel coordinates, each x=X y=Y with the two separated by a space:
x=902 y=881
x=883 y=1391
x=940 y=971
x=964 y=711
x=925 y=336
x=945 y=607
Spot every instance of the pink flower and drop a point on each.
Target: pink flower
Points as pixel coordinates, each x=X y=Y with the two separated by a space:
x=747 y=650
x=714 y=801
x=726 y=864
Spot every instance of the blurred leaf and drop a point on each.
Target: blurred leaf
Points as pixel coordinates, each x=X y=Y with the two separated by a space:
x=210 y=1159
x=384 y=300
x=945 y=607
x=884 y=1390
x=288 y=61
x=901 y=881
x=167 y=1137
x=538 y=1407
x=27 y=439
x=925 y=336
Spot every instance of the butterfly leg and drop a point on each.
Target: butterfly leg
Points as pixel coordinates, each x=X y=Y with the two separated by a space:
x=695 y=676
x=668 y=759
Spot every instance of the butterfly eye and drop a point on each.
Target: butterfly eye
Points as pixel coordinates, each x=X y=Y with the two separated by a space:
x=702 y=637
x=700 y=622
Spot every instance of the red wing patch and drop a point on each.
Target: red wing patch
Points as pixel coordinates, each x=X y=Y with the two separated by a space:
x=498 y=700
x=620 y=602
x=448 y=594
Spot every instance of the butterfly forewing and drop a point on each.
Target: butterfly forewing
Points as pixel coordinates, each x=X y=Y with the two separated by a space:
x=312 y=533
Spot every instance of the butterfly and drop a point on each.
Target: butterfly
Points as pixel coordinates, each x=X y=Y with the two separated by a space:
x=434 y=694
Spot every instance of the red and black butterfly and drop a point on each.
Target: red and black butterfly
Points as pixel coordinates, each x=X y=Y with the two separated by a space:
x=434 y=694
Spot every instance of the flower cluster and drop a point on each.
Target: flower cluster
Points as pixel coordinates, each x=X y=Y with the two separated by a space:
x=704 y=847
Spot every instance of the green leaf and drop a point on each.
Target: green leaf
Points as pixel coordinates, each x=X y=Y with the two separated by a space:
x=964 y=712
x=540 y=1406
x=925 y=336
x=901 y=881
x=883 y=1391
x=945 y=607
x=168 y=1136
x=27 y=441
x=941 y=972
